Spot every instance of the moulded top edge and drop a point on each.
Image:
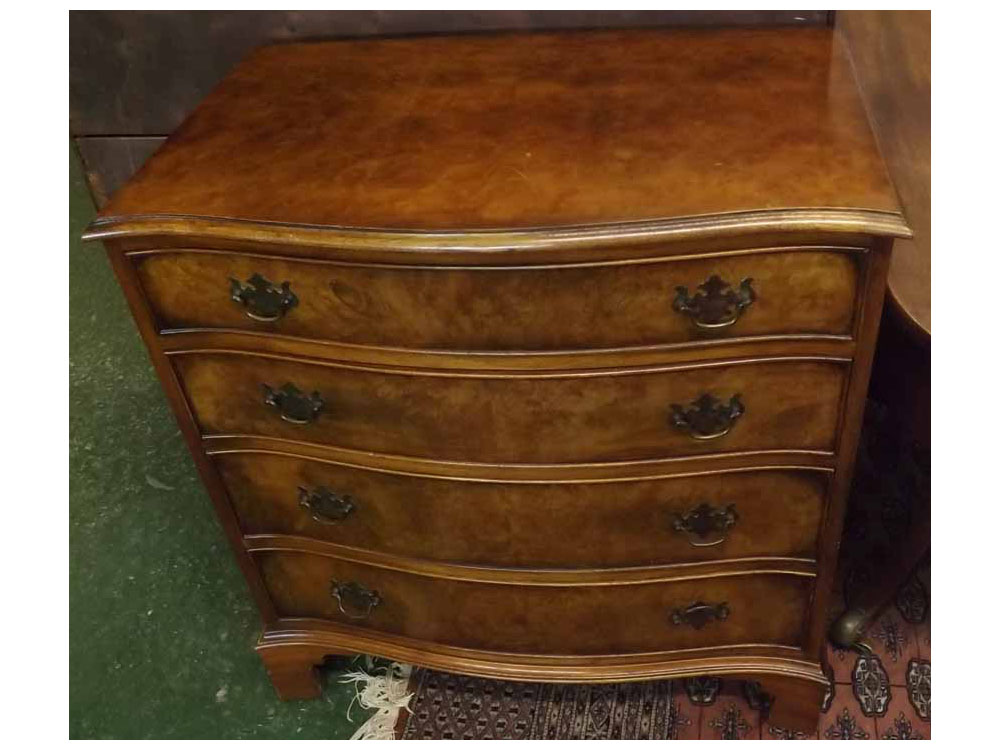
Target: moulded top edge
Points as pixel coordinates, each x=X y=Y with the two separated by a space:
x=798 y=220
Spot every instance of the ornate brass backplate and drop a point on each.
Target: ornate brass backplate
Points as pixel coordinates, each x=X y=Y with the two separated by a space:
x=261 y=299
x=716 y=304
x=354 y=600
x=699 y=614
x=294 y=405
x=706 y=526
x=326 y=506
x=706 y=417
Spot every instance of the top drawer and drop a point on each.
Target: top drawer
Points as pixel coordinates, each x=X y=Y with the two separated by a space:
x=530 y=308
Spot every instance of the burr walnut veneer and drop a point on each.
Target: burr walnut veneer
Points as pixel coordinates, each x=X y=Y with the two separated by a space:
x=536 y=356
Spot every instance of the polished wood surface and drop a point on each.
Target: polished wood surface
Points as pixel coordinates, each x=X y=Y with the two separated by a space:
x=511 y=130
x=543 y=524
x=545 y=619
x=798 y=292
x=523 y=418
x=891 y=52
x=513 y=462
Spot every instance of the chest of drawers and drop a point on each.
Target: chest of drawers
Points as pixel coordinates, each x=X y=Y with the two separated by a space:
x=529 y=356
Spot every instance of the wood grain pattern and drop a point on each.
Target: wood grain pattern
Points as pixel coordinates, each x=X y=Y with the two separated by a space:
x=531 y=418
x=606 y=524
x=548 y=308
x=544 y=620
x=522 y=131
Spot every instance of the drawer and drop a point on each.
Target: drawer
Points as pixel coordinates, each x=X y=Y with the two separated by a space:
x=543 y=619
x=809 y=291
x=586 y=525
x=534 y=418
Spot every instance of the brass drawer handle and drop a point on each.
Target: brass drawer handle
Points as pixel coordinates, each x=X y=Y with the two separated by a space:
x=706 y=526
x=716 y=304
x=261 y=299
x=353 y=599
x=325 y=506
x=294 y=405
x=706 y=417
x=699 y=614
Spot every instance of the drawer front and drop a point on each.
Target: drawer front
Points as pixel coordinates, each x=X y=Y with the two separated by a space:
x=469 y=309
x=787 y=404
x=585 y=525
x=605 y=619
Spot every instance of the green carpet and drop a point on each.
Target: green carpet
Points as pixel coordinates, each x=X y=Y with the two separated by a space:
x=162 y=627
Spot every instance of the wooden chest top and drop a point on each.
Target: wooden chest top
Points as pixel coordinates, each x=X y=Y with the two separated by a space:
x=524 y=131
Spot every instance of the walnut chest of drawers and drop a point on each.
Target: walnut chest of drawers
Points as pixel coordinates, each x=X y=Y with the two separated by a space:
x=530 y=356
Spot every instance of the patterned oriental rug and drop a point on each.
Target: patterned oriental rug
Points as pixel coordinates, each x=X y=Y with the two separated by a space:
x=883 y=695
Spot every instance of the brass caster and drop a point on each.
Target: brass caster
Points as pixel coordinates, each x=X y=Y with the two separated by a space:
x=847 y=630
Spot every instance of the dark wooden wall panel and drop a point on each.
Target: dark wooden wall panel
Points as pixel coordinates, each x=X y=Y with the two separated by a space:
x=109 y=161
x=139 y=73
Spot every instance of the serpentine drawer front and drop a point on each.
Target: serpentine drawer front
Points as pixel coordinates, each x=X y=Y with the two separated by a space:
x=542 y=619
x=737 y=294
x=573 y=417
x=617 y=523
x=532 y=356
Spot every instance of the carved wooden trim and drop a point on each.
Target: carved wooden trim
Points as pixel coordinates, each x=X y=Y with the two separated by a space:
x=314 y=639
x=823 y=345
x=558 y=266
x=791 y=566
x=684 y=248
x=864 y=221
x=547 y=473
x=459 y=471
x=528 y=375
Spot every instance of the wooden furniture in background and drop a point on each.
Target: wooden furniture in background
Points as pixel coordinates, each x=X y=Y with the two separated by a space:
x=891 y=54
x=528 y=356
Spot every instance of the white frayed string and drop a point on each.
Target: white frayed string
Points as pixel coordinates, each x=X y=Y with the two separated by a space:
x=386 y=693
